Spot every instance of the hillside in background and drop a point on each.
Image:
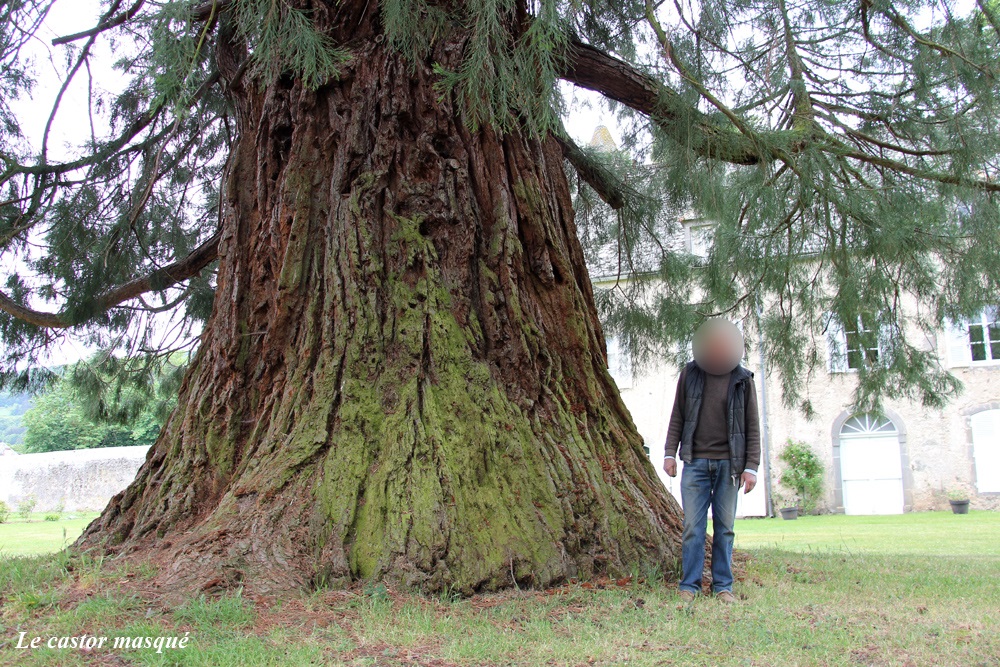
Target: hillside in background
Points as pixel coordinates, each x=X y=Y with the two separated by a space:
x=12 y=409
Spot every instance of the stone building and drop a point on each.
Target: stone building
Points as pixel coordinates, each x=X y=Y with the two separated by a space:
x=908 y=460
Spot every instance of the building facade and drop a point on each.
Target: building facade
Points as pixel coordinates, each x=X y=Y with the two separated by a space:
x=910 y=459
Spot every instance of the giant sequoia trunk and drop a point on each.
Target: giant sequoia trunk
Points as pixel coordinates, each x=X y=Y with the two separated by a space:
x=404 y=375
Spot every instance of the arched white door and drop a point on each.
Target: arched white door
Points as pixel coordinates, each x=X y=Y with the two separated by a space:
x=871 y=469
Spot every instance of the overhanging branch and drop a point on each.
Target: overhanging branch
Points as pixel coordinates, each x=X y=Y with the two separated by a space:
x=603 y=183
x=595 y=70
x=160 y=279
x=207 y=10
x=106 y=24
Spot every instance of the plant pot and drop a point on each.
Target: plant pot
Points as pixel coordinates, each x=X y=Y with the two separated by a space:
x=789 y=513
x=959 y=506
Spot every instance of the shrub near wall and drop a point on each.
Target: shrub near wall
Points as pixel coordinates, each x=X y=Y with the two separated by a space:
x=803 y=474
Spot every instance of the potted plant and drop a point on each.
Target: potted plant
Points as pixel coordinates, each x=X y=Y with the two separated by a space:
x=959 y=501
x=803 y=475
x=788 y=507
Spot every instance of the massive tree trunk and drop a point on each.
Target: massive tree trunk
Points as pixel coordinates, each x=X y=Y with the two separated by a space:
x=404 y=375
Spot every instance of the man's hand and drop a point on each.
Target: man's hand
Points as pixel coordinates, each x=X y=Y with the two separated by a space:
x=749 y=481
x=670 y=466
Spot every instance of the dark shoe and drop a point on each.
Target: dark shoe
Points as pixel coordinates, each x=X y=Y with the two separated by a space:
x=726 y=597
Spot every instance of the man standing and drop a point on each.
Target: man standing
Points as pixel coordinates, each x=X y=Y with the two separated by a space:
x=714 y=429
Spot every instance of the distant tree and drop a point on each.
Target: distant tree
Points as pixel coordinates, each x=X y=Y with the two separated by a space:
x=56 y=422
x=88 y=407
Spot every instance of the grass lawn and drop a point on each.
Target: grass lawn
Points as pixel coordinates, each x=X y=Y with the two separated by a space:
x=828 y=590
x=927 y=533
x=37 y=536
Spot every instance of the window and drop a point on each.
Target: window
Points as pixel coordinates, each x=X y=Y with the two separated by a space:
x=700 y=238
x=975 y=341
x=853 y=345
x=867 y=424
x=862 y=346
x=813 y=243
x=619 y=364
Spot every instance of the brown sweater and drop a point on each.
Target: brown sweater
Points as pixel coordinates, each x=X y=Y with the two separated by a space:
x=711 y=435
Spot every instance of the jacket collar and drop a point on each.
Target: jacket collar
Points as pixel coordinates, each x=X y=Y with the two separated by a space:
x=740 y=373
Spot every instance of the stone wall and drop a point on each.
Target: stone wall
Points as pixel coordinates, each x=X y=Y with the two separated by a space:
x=81 y=479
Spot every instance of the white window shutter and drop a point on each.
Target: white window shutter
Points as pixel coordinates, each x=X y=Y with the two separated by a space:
x=836 y=345
x=957 y=337
x=986 y=449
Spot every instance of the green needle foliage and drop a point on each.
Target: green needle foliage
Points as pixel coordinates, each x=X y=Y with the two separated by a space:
x=847 y=150
x=104 y=402
x=282 y=37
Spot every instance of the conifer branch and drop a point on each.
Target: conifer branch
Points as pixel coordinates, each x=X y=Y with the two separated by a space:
x=603 y=183
x=158 y=280
x=989 y=16
x=595 y=70
x=207 y=10
x=802 y=112
x=899 y=21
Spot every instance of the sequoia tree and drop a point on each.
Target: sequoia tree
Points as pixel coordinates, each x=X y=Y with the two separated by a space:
x=371 y=208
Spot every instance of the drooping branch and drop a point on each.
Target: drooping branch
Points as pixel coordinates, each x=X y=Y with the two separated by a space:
x=160 y=279
x=116 y=146
x=595 y=70
x=601 y=180
x=900 y=21
x=48 y=176
x=737 y=121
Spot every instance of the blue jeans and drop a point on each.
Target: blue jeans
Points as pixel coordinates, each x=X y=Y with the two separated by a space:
x=704 y=482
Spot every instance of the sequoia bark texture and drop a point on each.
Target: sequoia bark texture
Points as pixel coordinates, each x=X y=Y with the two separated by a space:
x=404 y=375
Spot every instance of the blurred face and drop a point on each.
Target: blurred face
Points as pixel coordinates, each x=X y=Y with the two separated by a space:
x=718 y=346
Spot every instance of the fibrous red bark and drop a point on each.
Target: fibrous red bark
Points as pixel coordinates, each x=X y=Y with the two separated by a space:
x=404 y=375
